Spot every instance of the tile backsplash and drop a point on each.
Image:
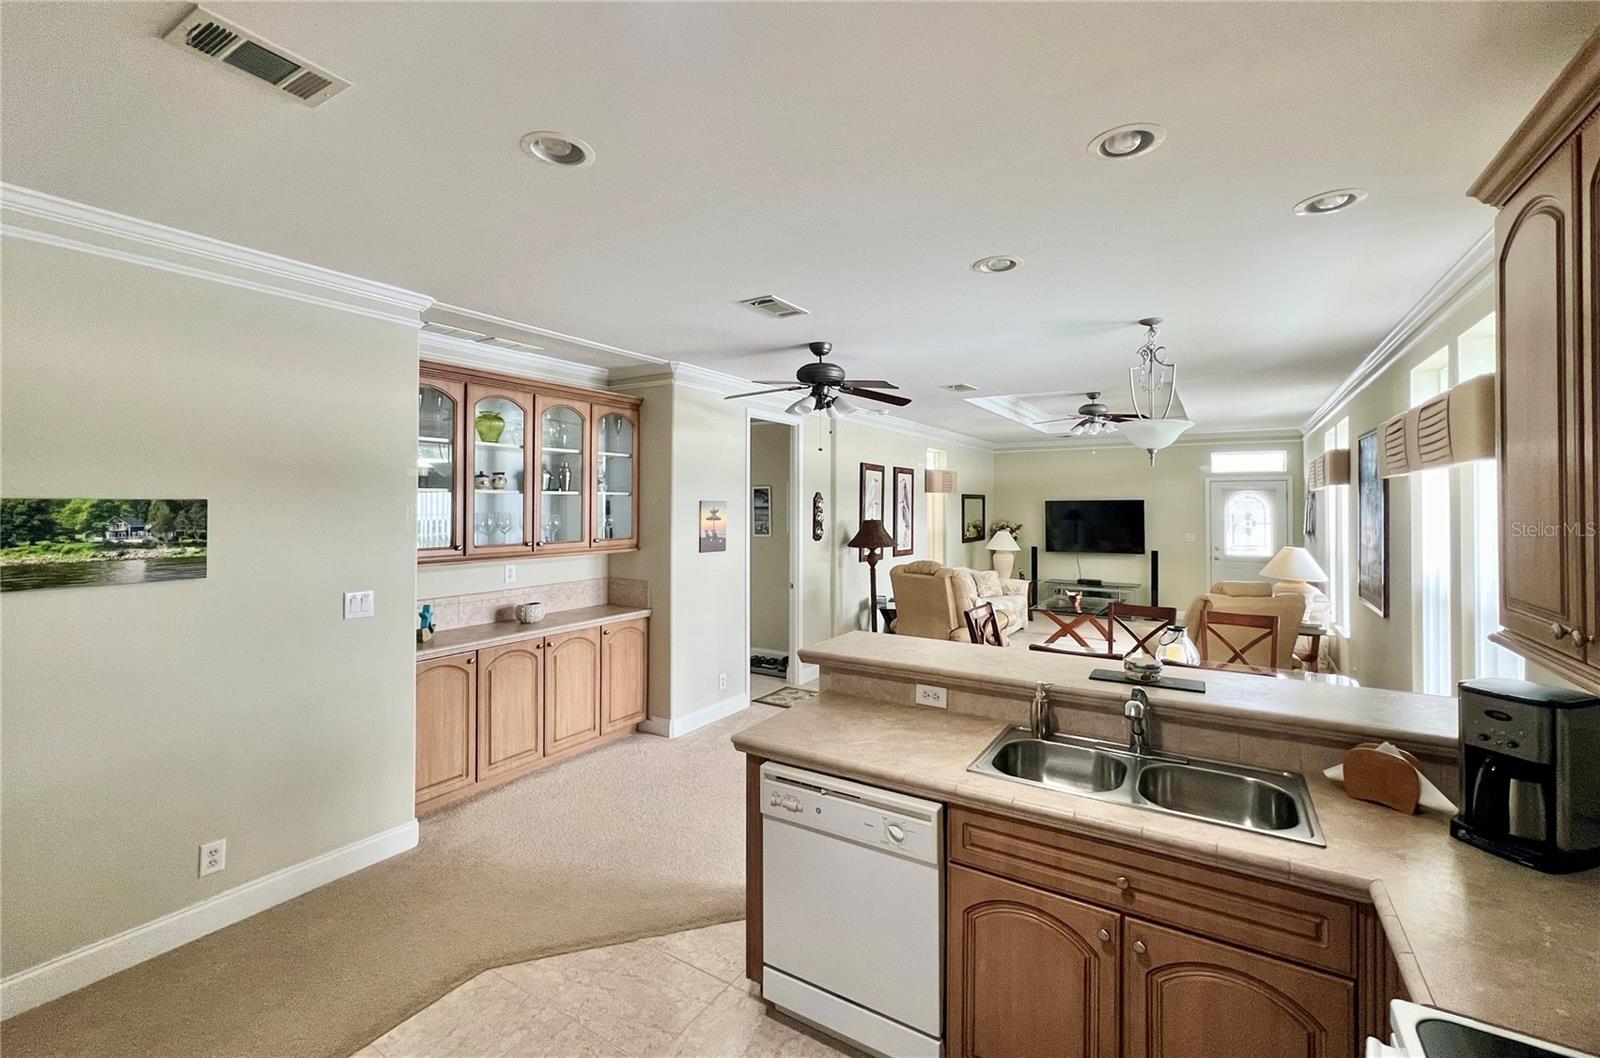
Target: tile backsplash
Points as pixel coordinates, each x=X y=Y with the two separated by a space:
x=481 y=608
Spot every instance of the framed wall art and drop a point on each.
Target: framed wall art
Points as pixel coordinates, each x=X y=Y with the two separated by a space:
x=761 y=510
x=84 y=542
x=713 y=526
x=905 y=510
x=872 y=486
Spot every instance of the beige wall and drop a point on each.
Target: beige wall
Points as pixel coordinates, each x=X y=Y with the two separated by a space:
x=1379 y=651
x=1174 y=491
x=143 y=720
x=769 y=555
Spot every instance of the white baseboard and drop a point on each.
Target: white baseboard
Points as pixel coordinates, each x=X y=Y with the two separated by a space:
x=83 y=966
x=681 y=725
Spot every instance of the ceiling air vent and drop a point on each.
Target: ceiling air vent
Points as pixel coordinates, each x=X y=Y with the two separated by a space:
x=776 y=307
x=960 y=387
x=205 y=34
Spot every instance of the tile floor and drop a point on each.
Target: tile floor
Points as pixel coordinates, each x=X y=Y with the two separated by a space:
x=683 y=995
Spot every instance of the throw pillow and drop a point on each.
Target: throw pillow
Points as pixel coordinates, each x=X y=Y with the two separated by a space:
x=988 y=582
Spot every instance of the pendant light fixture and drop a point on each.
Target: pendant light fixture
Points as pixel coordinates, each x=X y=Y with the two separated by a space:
x=1151 y=429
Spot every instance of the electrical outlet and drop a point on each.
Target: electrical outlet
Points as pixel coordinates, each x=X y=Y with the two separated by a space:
x=213 y=856
x=357 y=604
x=722 y=681
x=511 y=573
x=933 y=696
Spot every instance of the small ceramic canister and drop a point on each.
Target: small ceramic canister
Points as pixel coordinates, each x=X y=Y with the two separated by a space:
x=530 y=613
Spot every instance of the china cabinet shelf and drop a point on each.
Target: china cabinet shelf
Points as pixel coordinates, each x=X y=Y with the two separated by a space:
x=424 y=439
x=498 y=492
x=603 y=492
x=558 y=492
x=613 y=455
x=508 y=446
x=562 y=451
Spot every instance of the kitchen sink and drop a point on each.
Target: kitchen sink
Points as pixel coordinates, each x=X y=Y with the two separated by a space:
x=1254 y=799
x=1220 y=796
x=1059 y=764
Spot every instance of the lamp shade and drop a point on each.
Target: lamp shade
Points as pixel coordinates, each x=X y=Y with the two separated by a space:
x=938 y=481
x=871 y=535
x=1293 y=563
x=1002 y=540
x=1153 y=434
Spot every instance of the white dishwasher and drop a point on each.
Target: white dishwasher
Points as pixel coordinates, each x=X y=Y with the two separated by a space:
x=852 y=908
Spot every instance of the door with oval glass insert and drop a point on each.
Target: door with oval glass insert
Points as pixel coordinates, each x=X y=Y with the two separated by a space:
x=499 y=496
x=563 y=464
x=440 y=470
x=616 y=479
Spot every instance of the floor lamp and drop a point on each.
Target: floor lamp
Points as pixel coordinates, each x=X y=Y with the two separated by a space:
x=872 y=538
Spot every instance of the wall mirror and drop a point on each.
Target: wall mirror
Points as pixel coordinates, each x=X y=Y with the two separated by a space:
x=973 y=517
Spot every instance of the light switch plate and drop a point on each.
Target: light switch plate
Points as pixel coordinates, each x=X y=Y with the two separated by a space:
x=1188 y=538
x=357 y=604
x=511 y=573
x=928 y=695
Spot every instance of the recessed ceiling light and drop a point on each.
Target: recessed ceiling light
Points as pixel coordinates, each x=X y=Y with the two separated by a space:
x=1127 y=141
x=557 y=148
x=1329 y=201
x=960 y=387
x=997 y=264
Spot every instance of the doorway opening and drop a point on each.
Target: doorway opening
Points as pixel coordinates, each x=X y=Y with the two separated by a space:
x=772 y=475
x=1247 y=522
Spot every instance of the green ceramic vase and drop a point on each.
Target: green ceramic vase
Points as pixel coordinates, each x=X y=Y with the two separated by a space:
x=490 y=424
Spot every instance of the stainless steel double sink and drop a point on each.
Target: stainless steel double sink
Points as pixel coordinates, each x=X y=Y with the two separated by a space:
x=1254 y=799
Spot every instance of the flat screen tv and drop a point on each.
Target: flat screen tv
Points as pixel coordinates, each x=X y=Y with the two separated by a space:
x=1098 y=527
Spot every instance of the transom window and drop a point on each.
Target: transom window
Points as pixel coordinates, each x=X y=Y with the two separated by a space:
x=1247 y=526
x=1267 y=461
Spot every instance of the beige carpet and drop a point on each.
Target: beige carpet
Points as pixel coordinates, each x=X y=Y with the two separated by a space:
x=639 y=838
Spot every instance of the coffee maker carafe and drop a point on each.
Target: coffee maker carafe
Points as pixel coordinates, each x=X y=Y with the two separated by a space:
x=1530 y=773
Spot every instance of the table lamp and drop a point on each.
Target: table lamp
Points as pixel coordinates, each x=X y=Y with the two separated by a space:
x=1292 y=568
x=872 y=538
x=1004 y=546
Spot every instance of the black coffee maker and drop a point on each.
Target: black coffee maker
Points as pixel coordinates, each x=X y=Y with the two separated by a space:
x=1530 y=774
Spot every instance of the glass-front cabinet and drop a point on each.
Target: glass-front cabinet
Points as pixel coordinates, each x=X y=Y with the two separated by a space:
x=616 y=479
x=563 y=462
x=499 y=492
x=439 y=470
x=513 y=467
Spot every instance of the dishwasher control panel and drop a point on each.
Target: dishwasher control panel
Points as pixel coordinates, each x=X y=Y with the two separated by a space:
x=848 y=810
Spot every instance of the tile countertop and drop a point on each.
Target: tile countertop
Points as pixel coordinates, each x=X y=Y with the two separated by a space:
x=1271 y=704
x=1472 y=933
x=477 y=637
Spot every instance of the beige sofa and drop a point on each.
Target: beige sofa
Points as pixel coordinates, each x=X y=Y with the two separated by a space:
x=1251 y=597
x=931 y=600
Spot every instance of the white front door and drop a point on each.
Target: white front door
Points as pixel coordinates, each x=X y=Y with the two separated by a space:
x=1249 y=522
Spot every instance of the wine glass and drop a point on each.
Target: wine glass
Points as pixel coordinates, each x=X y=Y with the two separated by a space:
x=502 y=524
x=555 y=528
x=481 y=525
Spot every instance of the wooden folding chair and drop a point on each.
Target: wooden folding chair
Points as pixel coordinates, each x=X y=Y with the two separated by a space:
x=1216 y=641
x=983 y=627
x=1118 y=614
x=1073 y=626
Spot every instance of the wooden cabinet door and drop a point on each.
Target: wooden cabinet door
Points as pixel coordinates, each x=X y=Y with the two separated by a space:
x=1543 y=592
x=1589 y=151
x=441 y=469
x=510 y=712
x=1184 y=997
x=616 y=455
x=1028 y=974
x=499 y=508
x=447 y=698
x=564 y=466
x=624 y=668
x=571 y=689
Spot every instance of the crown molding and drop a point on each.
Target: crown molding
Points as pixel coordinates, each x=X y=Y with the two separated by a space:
x=43 y=218
x=1209 y=438
x=461 y=352
x=1468 y=276
x=454 y=315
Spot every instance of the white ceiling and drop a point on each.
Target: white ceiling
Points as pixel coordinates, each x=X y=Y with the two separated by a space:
x=852 y=158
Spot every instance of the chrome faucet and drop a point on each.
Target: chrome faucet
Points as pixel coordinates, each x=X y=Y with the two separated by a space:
x=1137 y=709
x=1040 y=718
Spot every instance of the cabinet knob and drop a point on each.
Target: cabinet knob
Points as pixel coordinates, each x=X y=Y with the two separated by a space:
x=1104 y=934
x=1138 y=947
x=1558 y=629
x=1577 y=637
x=1122 y=881
x=472 y=660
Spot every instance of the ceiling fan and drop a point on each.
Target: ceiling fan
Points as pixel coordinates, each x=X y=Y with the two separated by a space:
x=1092 y=417
x=826 y=387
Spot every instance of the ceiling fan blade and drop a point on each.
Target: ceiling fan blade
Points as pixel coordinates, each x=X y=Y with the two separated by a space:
x=1119 y=417
x=1047 y=422
x=773 y=382
x=870 y=383
x=759 y=392
x=887 y=398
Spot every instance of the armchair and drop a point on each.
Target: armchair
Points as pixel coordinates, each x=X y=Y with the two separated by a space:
x=1252 y=597
x=932 y=599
